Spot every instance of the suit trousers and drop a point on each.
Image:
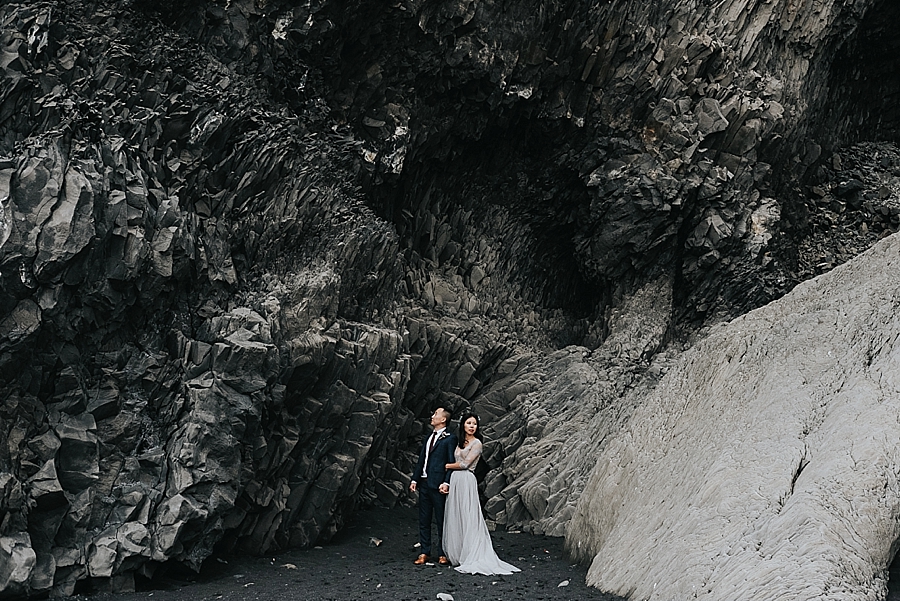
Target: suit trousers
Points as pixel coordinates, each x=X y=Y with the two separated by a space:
x=431 y=506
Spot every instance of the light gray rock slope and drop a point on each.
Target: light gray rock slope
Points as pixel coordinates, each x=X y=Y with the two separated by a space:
x=765 y=464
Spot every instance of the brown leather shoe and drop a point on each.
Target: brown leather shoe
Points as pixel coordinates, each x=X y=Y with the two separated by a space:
x=443 y=560
x=420 y=560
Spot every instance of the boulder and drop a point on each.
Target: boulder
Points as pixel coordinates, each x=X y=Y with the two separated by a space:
x=79 y=451
x=763 y=465
x=17 y=561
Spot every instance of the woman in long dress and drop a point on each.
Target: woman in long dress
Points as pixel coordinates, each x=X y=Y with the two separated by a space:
x=467 y=542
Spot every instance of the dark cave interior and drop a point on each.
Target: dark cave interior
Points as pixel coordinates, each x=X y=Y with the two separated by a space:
x=480 y=170
x=863 y=100
x=510 y=182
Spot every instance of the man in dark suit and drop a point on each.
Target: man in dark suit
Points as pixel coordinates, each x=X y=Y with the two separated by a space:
x=432 y=480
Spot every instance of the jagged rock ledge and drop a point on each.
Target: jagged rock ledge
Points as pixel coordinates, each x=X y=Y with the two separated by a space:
x=764 y=464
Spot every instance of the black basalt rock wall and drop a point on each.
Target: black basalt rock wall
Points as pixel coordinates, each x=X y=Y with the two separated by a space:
x=557 y=105
x=666 y=138
x=204 y=347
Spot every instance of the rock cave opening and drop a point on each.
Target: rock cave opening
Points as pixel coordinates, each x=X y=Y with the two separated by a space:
x=479 y=184
x=863 y=99
x=501 y=203
x=839 y=182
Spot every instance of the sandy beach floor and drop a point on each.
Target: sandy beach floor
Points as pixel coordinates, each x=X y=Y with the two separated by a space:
x=354 y=567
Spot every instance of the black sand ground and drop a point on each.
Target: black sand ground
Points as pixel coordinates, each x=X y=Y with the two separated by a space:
x=351 y=568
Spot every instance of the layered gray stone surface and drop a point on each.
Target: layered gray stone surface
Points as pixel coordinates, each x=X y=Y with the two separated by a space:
x=764 y=464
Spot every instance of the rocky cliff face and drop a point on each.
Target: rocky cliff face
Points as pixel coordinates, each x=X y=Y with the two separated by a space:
x=246 y=247
x=780 y=429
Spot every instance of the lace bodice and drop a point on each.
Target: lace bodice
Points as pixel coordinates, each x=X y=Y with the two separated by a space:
x=468 y=457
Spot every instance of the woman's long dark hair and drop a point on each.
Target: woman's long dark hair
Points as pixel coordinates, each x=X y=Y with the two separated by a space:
x=461 y=435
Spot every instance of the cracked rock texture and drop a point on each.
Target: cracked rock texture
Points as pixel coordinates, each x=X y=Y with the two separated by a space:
x=247 y=247
x=781 y=427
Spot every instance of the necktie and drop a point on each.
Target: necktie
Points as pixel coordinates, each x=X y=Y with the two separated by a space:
x=433 y=440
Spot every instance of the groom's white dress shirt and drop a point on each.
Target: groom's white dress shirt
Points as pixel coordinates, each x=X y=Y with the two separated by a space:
x=435 y=435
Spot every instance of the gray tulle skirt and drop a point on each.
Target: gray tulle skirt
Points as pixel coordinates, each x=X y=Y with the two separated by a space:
x=467 y=542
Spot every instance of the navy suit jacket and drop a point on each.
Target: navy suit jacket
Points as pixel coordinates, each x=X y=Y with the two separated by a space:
x=441 y=454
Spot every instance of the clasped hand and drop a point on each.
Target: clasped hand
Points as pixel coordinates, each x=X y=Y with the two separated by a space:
x=444 y=488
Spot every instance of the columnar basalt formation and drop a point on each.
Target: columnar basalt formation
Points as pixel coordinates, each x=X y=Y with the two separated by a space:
x=665 y=137
x=246 y=247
